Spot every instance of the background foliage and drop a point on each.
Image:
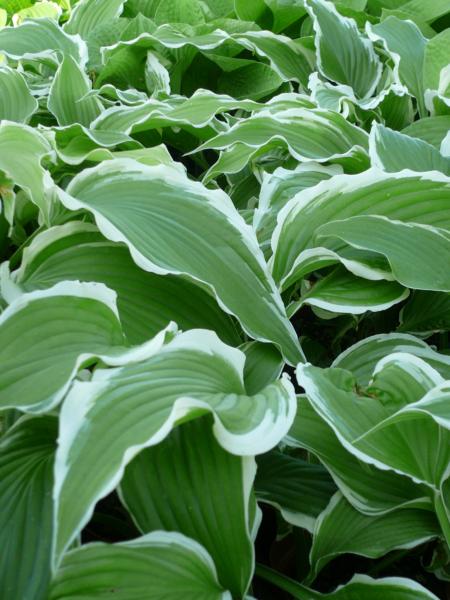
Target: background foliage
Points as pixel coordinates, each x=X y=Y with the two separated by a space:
x=224 y=296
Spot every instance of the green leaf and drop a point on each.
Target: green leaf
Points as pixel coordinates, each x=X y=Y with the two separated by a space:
x=340 y=529
x=39 y=39
x=43 y=8
x=307 y=135
x=401 y=423
x=342 y=292
x=281 y=185
x=252 y=81
x=146 y=302
x=300 y=490
x=370 y=490
x=362 y=358
x=89 y=14
x=189 y=484
x=195 y=231
x=286 y=57
x=26 y=479
x=251 y=11
x=406 y=196
x=157 y=566
x=393 y=151
x=19 y=145
x=16 y=101
x=360 y=586
x=406 y=44
x=263 y=364
x=403 y=244
x=67 y=98
x=344 y=55
x=436 y=58
x=426 y=312
x=429 y=12
x=46 y=336
x=179 y=11
x=430 y=129
x=105 y=422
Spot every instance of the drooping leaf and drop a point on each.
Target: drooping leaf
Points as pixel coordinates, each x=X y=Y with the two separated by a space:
x=370 y=490
x=105 y=422
x=405 y=196
x=147 y=302
x=41 y=38
x=341 y=529
x=188 y=483
x=403 y=244
x=129 y=200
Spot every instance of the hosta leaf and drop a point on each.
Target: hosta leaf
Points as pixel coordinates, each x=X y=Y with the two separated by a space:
x=285 y=56
x=362 y=357
x=342 y=292
x=26 y=479
x=393 y=151
x=179 y=11
x=433 y=10
x=146 y=302
x=46 y=336
x=188 y=483
x=278 y=187
x=407 y=45
x=16 y=101
x=254 y=81
x=197 y=111
x=405 y=196
x=370 y=490
x=106 y=421
x=299 y=489
x=344 y=55
x=426 y=312
x=431 y=129
x=402 y=425
x=308 y=135
x=360 y=263
x=41 y=38
x=21 y=145
x=157 y=566
x=75 y=143
x=263 y=364
x=340 y=529
x=360 y=586
x=43 y=8
x=67 y=98
x=403 y=244
x=89 y=14
x=195 y=231
x=436 y=58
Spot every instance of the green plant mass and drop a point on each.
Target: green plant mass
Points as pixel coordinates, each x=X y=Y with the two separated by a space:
x=225 y=299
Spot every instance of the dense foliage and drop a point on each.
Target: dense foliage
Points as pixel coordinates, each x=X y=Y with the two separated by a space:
x=224 y=299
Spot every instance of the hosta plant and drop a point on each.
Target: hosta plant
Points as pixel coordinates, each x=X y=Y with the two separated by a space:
x=224 y=299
